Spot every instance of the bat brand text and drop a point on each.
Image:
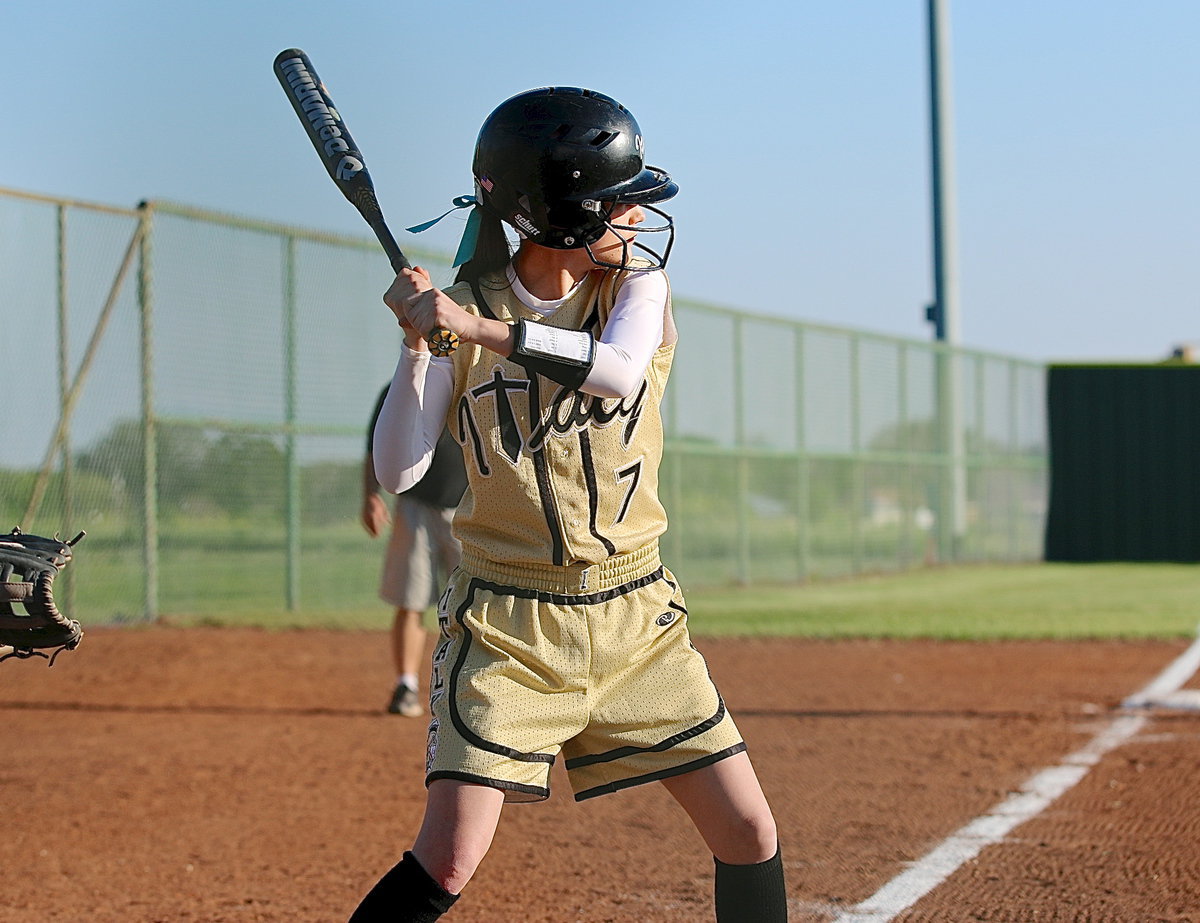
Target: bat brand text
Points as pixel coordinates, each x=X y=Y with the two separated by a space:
x=323 y=118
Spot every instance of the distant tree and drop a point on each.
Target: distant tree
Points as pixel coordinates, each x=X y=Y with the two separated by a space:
x=245 y=473
x=118 y=455
x=924 y=436
x=331 y=492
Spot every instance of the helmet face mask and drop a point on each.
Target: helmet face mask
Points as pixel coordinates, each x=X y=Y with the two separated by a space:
x=553 y=162
x=657 y=258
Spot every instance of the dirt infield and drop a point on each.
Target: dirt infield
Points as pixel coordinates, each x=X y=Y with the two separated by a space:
x=213 y=775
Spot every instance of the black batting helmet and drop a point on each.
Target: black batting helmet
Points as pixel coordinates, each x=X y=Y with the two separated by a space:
x=553 y=162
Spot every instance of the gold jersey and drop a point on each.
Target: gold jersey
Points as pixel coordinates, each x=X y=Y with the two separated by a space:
x=554 y=476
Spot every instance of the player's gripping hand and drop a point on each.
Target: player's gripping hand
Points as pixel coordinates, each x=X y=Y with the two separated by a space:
x=408 y=282
x=419 y=307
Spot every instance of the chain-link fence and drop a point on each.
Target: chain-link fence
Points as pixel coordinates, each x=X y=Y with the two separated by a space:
x=215 y=377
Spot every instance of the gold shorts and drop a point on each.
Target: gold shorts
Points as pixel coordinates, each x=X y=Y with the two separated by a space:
x=595 y=663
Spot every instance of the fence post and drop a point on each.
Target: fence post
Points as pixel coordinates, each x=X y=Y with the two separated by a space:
x=905 y=477
x=743 y=474
x=292 y=502
x=1012 y=450
x=64 y=393
x=858 y=470
x=149 y=423
x=947 y=375
x=803 y=486
x=977 y=459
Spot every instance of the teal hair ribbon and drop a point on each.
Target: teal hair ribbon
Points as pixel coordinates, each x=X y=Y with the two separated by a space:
x=470 y=235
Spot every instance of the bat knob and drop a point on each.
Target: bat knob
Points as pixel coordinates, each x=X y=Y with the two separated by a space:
x=442 y=342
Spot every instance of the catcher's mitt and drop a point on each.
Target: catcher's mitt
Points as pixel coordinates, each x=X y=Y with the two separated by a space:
x=28 y=566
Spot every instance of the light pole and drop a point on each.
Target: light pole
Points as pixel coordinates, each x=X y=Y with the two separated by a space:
x=944 y=313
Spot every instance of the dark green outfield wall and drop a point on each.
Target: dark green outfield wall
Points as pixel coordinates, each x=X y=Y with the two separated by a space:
x=1124 y=463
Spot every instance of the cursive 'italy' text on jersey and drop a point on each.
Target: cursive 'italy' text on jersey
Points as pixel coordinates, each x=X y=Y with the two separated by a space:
x=570 y=478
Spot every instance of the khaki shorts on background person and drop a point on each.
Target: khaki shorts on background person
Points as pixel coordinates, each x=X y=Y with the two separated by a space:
x=420 y=537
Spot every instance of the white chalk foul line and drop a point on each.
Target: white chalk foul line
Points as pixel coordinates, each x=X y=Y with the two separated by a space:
x=1030 y=800
x=1165 y=686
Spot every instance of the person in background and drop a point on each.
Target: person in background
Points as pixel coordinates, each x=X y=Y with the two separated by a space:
x=420 y=555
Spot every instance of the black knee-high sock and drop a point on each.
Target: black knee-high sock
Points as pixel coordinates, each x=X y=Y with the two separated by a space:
x=406 y=894
x=751 y=893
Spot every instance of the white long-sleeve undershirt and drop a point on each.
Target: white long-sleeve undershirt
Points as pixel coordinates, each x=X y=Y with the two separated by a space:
x=414 y=410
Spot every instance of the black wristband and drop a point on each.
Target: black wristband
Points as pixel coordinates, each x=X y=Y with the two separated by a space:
x=564 y=356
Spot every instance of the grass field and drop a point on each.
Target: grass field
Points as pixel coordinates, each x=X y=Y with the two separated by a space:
x=978 y=602
x=967 y=602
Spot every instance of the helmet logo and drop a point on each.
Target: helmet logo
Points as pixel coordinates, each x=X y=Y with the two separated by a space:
x=525 y=225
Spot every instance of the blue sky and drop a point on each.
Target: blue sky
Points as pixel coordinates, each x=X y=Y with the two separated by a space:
x=797 y=132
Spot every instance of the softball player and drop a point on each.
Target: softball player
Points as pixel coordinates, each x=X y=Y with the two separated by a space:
x=561 y=632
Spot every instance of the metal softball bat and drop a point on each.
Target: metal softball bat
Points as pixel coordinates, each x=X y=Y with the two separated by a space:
x=344 y=162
